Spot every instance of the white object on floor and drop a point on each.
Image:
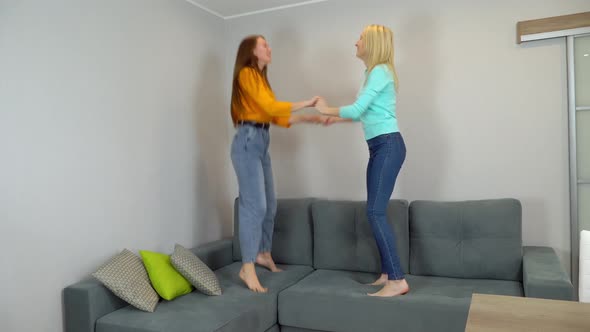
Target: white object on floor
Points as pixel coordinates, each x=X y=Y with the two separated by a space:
x=584 y=277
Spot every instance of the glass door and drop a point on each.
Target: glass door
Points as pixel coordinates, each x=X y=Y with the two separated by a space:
x=579 y=124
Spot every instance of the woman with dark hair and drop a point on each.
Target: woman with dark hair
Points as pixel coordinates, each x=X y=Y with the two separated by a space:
x=253 y=109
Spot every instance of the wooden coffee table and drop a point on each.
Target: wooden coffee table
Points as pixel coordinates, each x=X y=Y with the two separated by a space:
x=508 y=313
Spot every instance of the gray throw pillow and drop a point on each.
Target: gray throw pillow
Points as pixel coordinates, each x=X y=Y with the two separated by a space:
x=125 y=275
x=195 y=271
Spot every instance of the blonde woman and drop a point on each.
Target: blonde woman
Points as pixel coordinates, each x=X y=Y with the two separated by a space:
x=375 y=109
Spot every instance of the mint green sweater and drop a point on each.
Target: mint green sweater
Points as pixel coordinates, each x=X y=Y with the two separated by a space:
x=375 y=104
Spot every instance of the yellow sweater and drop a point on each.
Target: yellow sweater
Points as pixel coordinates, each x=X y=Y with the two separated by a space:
x=259 y=102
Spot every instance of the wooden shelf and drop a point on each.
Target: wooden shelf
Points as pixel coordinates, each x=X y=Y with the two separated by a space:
x=551 y=27
x=526 y=314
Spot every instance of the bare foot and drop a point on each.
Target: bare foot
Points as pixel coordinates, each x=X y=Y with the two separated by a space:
x=265 y=259
x=393 y=288
x=249 y=277
x=381 y=281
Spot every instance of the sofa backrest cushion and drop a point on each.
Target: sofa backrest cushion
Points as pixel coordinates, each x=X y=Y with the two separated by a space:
x=292 y=241
x=467 y=239
x=343 y=238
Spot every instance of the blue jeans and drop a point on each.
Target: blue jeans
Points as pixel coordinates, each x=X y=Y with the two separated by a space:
x=257 y=205
x=387 y=155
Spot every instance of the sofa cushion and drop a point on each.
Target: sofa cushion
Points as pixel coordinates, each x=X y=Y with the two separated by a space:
x=469 y=239
x=292 y=238
x=195 y=271
x=125 y=275
x=296 y=329
x=167 y=281
x=238 y=309
x=337 y=301
x=343 y=239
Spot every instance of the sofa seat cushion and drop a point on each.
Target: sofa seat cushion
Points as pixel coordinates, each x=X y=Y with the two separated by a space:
x=336 y=301
x=238 y=309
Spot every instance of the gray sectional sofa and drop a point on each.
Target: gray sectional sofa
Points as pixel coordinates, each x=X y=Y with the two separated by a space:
x=449 y=251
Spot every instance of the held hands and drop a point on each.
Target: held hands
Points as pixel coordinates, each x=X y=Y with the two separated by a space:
x=319 y=119
x=312 y=102
x=321 y=105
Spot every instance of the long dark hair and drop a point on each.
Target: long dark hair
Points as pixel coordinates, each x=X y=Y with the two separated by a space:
x=244 y=59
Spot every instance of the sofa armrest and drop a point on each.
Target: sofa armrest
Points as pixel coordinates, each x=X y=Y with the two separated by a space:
x=87 y=301
x=543 y=276
x=216 y=254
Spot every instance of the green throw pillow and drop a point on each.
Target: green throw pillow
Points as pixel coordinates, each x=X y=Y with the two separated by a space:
x=166 y=280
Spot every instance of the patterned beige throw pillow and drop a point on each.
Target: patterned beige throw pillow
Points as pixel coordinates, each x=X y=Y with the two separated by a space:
x=125 y=275
x=195 y=271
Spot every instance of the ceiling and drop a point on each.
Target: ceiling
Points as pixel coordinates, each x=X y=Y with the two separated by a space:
x=228 y=9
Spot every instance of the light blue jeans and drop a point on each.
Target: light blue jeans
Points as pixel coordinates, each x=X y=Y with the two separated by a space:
x=257 y=204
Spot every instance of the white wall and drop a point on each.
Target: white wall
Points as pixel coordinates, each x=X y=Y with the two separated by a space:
x=113 y=135
x=482 y=116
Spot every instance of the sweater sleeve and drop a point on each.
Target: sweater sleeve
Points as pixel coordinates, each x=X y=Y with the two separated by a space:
x=252 y=84
x=378 y=79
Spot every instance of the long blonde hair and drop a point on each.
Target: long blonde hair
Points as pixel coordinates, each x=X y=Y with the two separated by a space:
x=378 y=42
